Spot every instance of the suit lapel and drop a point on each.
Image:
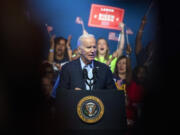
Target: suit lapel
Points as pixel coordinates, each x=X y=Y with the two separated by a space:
x=80 y=74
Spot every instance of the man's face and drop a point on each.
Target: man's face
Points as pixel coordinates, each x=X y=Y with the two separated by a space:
x=88 y=50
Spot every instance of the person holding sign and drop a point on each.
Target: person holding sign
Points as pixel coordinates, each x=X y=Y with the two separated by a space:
x=103 y=55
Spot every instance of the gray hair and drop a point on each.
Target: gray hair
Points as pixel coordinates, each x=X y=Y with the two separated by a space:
x=82 y=37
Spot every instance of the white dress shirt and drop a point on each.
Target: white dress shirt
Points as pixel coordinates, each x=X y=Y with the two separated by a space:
x=89 y=69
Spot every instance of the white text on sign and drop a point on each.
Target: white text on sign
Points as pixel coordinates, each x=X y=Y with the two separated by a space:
x=105 y=17
x=106 y=9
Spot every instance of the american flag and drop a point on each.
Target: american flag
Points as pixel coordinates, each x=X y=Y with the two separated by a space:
x=112 y=36
x=129 y=31
x=49 y=28
x=79 y=20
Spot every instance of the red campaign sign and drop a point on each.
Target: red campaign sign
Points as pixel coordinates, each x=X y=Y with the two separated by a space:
x=105 y=17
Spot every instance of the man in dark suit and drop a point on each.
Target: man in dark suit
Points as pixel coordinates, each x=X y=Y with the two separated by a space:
x=85 y=73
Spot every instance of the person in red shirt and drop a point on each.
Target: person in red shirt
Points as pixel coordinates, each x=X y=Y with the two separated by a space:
x=135 y=93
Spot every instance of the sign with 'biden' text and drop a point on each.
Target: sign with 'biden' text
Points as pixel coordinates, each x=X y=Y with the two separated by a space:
x=105 y=16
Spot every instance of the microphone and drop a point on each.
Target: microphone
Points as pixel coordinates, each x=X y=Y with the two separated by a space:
x=85 y=74
x=89 y=80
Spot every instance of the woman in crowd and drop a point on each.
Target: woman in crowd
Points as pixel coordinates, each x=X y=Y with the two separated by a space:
x=103 y=51
x=59 y=51
x=59 y=54
x=122 y=72
x=135 y=92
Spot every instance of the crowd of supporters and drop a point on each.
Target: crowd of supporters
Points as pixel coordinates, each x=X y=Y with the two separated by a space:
x=130 y=80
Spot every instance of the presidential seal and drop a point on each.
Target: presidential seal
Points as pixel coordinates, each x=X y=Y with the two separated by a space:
x=90 y=109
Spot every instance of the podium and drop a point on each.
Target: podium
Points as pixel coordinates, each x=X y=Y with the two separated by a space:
x=113 y=118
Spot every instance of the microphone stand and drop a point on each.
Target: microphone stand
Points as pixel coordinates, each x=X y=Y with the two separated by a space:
x=85 y=76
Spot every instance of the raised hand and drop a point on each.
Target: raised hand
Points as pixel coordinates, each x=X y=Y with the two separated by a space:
x=128 y=49
x=121 y=25
x=52 y=41
x=85 y=32
x=69 y=41
x=115 y=54
x=144 y=20
x=69 y=51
